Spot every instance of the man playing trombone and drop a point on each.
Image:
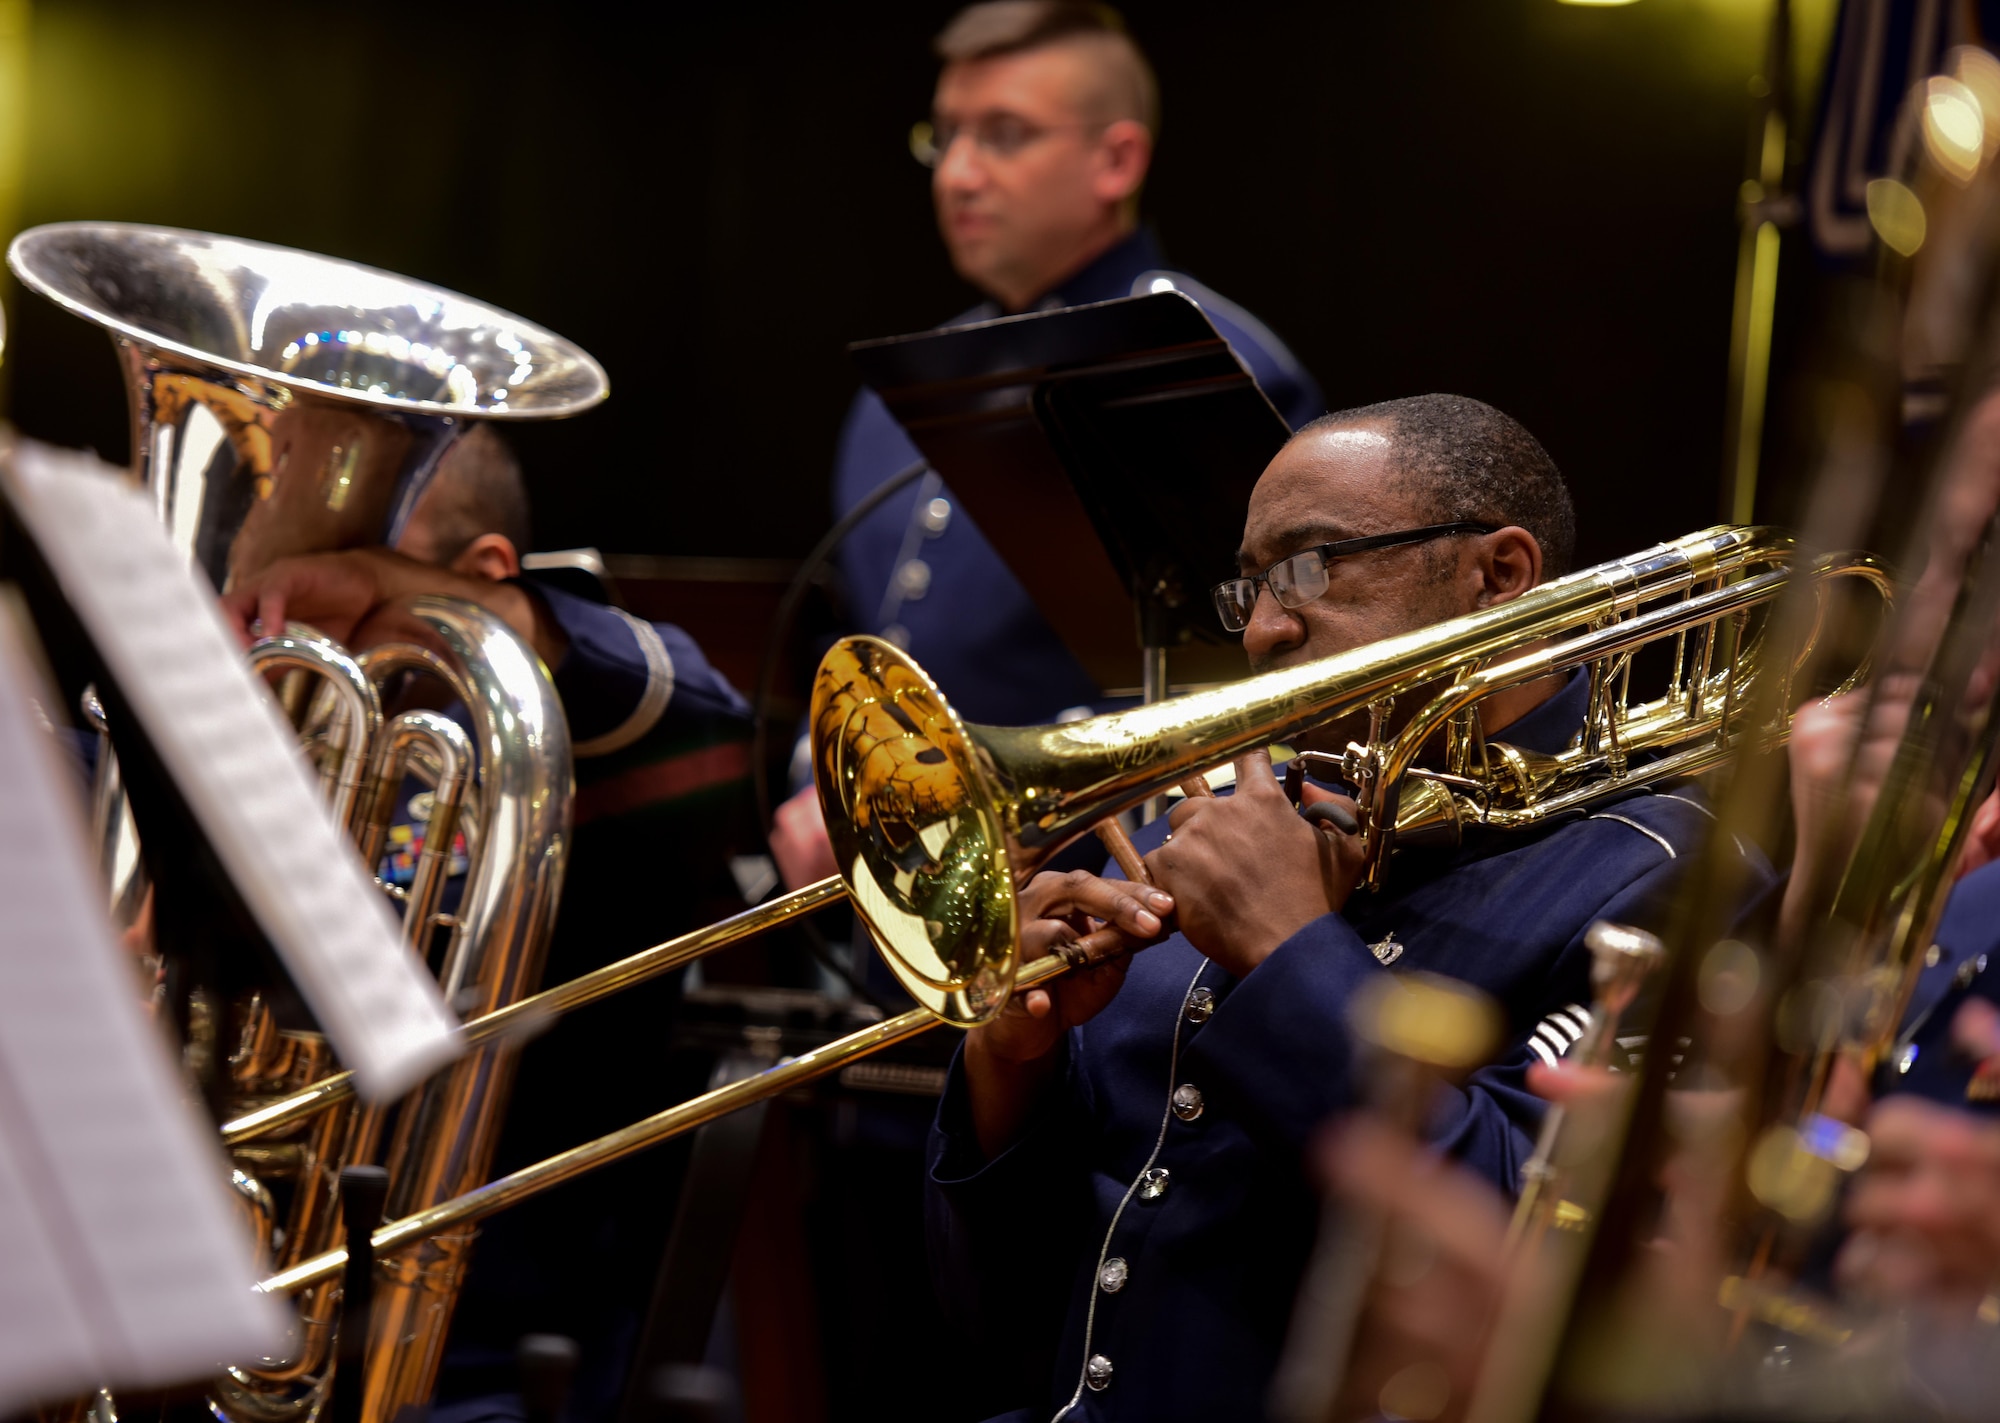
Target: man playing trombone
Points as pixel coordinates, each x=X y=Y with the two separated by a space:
x=1116 y=1166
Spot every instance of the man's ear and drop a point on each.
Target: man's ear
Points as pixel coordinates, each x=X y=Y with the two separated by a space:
x=490 y=556
x=1509 y=563
x=1127 y=152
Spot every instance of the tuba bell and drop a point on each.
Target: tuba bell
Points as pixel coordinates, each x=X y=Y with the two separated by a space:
x=285 y=403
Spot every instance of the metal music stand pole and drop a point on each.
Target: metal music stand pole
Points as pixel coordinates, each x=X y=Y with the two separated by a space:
x=364 y=1190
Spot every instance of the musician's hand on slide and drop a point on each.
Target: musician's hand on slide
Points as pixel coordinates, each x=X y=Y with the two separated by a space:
x=1248 y=871
x=357 y=598
x=1924 y=1214
x=798 y=840
x=1008 y=1060
x=1425 y=1325
x=1056 y=908
x=1982 y=840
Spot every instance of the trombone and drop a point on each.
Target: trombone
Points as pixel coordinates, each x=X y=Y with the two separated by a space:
x=936 y=822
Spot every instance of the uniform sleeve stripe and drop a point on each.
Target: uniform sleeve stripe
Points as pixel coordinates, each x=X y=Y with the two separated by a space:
x=652 y=702
x=1650 y=834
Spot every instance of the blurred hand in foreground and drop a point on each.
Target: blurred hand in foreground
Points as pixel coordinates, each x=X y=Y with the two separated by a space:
x=1924 y=1214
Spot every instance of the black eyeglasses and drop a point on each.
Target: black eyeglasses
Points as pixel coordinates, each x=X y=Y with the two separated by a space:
x=1297 y=580
x=999 y=135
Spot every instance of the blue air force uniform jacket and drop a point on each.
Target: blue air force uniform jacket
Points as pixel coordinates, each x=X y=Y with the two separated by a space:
x=1154 y=1218
x=919 y=572
x=1963 y=963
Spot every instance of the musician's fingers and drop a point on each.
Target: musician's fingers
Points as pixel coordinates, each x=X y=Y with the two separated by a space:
x=1574 y=1086
x=1116 y=902
x=1186 y=810
x=1254 y=775
x=271 y=610
x=1331 y=810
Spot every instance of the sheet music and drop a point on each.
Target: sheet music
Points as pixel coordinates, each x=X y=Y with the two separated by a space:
x=121 y=1259
x=155 y=623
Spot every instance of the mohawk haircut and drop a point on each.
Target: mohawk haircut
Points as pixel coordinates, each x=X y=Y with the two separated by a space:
x=997 y=27
x=1474 y=462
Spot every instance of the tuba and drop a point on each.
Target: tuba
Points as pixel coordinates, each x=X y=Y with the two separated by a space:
x=286 y=403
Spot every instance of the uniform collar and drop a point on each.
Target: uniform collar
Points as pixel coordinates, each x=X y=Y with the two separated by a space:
x=1106 y=277
x=1553 y=725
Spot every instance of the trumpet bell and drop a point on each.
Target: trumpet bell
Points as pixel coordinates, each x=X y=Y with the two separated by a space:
x=917 y=828
x=284 y=402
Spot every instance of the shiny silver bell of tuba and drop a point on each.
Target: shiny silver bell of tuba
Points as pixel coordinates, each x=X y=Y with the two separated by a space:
x=285 y=403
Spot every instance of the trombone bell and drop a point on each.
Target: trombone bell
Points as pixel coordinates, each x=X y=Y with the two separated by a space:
x=917 y=828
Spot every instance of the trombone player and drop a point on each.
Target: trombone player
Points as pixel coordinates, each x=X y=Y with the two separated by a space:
x=1156 y=1110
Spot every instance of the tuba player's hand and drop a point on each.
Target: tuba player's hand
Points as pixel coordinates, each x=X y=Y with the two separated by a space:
x=356 y=597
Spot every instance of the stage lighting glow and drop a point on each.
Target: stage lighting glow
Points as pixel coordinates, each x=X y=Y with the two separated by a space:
x=1897 y=215
x=1954 y=127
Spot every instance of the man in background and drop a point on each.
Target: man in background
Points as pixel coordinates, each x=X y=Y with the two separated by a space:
x=661 y=742
x=1040 y=139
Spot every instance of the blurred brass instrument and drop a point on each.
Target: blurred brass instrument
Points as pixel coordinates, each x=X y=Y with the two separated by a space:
x=937 y=822
x=1771 y=1013
x=286 y=403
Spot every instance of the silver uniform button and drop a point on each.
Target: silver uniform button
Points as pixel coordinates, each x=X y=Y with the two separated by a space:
x=913 y=579
x=1097 y=1373
x=1200 y=1005
x=936 y=516
x=1153 y=1184
x=1111 y=1279
x=1187 y=1101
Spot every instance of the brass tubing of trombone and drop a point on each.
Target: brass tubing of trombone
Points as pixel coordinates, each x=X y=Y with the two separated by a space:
x=552 y=1003
x=1622 y=637
x=684 y=1117
x=1068 y=779
x=1124 y=852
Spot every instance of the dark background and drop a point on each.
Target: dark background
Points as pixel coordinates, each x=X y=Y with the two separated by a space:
x=1528 y=202
x=1519 y=200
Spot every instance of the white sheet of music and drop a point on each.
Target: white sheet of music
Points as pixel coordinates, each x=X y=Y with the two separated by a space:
x=122 y=1260
x=154 y=621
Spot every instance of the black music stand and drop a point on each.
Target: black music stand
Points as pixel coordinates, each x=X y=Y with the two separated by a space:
x=1107 y=452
